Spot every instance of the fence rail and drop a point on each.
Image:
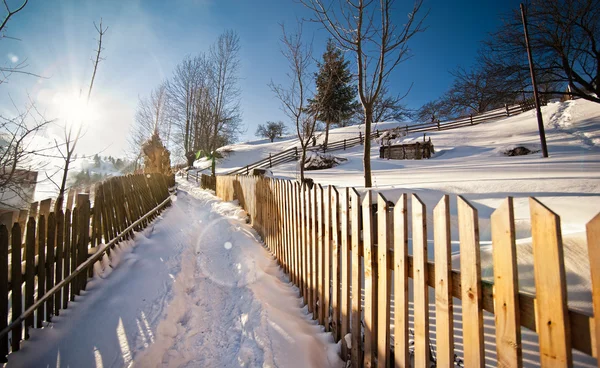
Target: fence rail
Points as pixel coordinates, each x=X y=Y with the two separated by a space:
x=52 y=256
x=292 y=154
x=320 y=236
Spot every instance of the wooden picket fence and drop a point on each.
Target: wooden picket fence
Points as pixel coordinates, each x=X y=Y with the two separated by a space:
x=55 y=251
x=321 y=236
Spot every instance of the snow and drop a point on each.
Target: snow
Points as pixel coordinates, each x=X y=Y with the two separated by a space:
x=197 y=288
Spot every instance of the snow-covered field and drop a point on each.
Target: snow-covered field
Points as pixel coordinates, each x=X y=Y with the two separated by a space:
x=196 y=289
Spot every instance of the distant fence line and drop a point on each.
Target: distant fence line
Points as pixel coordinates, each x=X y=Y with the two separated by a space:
x=54 y=252
x=320 y=236
x=292 y=154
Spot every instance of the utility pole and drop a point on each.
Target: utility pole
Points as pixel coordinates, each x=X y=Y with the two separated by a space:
x=533 y=82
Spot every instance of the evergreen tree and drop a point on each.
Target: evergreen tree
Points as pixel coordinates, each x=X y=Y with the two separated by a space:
x=335 y=101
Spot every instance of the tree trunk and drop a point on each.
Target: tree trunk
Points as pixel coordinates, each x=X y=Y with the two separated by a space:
x=367 y=145
x=302 y=161
x=327 y=124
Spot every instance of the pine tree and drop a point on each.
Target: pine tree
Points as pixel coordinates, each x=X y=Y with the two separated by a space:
x=335 y=100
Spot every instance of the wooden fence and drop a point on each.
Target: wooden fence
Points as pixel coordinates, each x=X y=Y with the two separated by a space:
x=292 y=154
x=321 y=236
x=46 y=263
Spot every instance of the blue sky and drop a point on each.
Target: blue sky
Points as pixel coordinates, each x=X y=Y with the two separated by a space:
x=146 y=39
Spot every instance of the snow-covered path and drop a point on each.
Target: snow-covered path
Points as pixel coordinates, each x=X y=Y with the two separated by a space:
x=199 y=290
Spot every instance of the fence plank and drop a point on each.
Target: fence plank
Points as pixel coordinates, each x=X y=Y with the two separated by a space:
x=41 y=267
x=384 y=232
x=60 y=228
x=335 y=264
x=4 y=290
x=552 y=318
x=16 y=278
x=321 y=257
x=443 y=284
x=326 y=256
x=29 y=272
x=470 y=270
x=421 y=292
x=593 y=240
x=356 y=280
x=304 y=226
x=370 y=337
x=66 y=257
x=401 y=355
x=295 y=233
x=50 y=241
x=346 y=272
x=506 y=287
x=314 y=276
x=74 y=288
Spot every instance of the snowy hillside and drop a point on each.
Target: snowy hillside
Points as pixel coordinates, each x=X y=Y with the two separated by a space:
x=470 y=162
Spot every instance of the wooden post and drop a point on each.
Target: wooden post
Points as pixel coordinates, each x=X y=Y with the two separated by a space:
x=346 y=273
x=536 y=97
x=16 y=279
x=356 y=281
x=384 y=282
x=443 y=284
x=60 y=227
x=421 y=292
x=470 y=277
x=401 y=355
x=552 y=317
x=593 y=240
x=471 y=117
x=344 y=144
x=270 y=162
x=41 y=267
x=335 y=264
x=4 y=289
x=507 y=110
x=360 y=138
x=326 y=200
x=51 y=238
x=321 y=246
x=66 y=257
x=506 y=287
x=369 y=281
x=29 y=271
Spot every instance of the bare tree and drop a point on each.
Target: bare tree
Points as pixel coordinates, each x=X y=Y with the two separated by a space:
x=72 y=133
x=152 y=115
x=19 y=67
x=365 y=27
x=387 y=107
x=294 y=96
x=271 y=130
x=565 y=42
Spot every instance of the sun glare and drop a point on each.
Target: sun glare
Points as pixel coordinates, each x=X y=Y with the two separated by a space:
x=74 y=109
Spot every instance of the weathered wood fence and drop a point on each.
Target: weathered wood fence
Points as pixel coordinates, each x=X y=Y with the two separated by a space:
x=46 y=262
x=329 y=241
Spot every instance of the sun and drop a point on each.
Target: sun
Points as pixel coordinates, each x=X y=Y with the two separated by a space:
x=74 y=109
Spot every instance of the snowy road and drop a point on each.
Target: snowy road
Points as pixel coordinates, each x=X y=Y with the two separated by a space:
x=199 y=290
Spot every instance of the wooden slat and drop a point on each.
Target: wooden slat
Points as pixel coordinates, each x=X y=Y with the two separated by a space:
x=41 y=267
x=400 y=262
x=356 y=280
x=66 y=257
x=29 y=271
x=551 y=291
x=443 y=284
x=50 y=241
x=17 y=286
x=470 y=270
x=593 y=240
x=506 y=287
x=384 y=235
x=314 y=276
x=335 y=265
x=74 y=288
x=421 y=292
x=346 y=271
x=326 y=256
x=60 y=228
x=294 y=231
x=304 y=227
x=4 y=290
x=370 y=349
x=321 y=258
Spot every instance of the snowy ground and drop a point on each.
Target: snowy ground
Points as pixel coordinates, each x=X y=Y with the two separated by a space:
x=196 y=290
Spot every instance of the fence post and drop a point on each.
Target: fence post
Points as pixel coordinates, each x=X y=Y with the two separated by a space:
x=406 y=129
x=344 y=144
x=471 y=116
x=296 y=152
x=438 y=124
x=188 y=175
x=270 y=162
x=360 y=137
x=377 y=133
x=247 y=170
x=507 y=111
